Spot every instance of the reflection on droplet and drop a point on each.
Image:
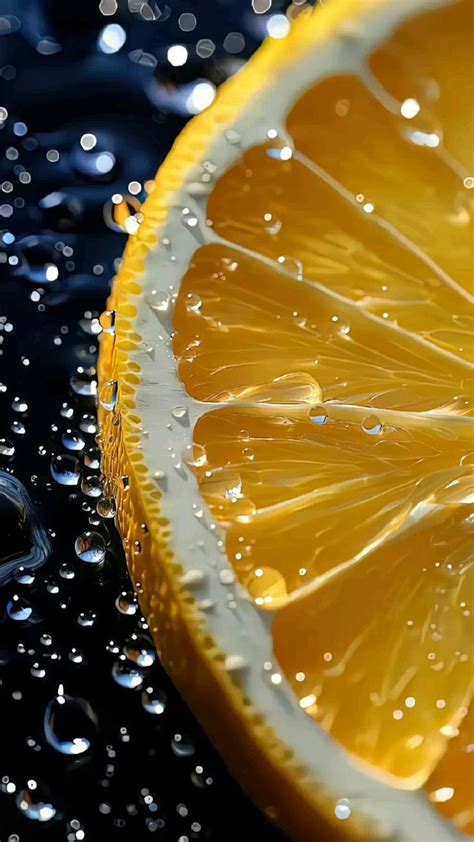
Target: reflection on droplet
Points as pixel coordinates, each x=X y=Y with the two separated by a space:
x=73 y=440
x=126 y=603
x=92 y=485
x=267 y=587
x=126 y=675
x=107 y=321
x=66 y=469
x=318 y=415
x=84 y=382
x=106 y=507
x=182 y=746
x=372 y=425
x=140 y=649
x=108 y=395
x=7 y=449
x=342 y=809
x=92 y=458
x=34 y=806
x=154 y=701
x=90 y=547
x=70 y=724
x=20 y=610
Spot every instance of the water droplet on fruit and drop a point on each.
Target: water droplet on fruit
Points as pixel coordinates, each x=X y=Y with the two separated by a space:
x=108 y=395
x=107 y=321
x=318 y=415
x=126 y=675
x=372 y=425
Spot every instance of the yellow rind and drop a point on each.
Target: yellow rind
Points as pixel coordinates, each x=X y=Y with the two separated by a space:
x=263 y=765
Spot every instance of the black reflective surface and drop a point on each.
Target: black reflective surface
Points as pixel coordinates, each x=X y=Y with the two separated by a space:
x=95 y=742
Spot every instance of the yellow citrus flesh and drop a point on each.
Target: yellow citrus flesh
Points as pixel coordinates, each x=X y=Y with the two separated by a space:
x=338 y=298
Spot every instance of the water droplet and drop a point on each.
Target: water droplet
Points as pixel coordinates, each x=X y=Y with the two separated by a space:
x=19 y=405
x=107 y=321
x=108 y=395
x=66 y=571
x=66 y=411
x=88 y=424
x=86 y=619
x=72 y=440
x=140 y=649
x=342 y=809
x=318 y=415
x=372 y=425
x=92 y=485
x=18 y=428
x=127 y=676
x=90 y=547
x=106 y=507
x=7 y=449
x=70 y=724
x=126 y=603
x=193 y=303
x=84 y=382
x=182 y=746
x=292 y=265
x=35 y=803
x=24 y=577
x=92 y=458
x=180 y=413
x=154 y=701
x=21 y=611
x=66 y=469
x=227 y=577
x=267 y=587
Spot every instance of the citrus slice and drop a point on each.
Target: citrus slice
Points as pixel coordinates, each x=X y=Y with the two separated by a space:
x=286 y=400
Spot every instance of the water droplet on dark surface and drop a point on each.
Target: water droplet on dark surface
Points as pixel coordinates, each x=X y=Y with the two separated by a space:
x=7 y=448
x=90 y=547
x=35 y=803
x=106 y=507
x=21 y=611
x=70 y=724
x=154 y=701
x=126 y=603
x=92 y=458
x=182 y=746
x=66 y=469
x=72 y=440
x=127 y=675
x=140 y=649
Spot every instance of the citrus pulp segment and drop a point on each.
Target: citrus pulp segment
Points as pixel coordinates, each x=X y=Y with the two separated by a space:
x=306 y=265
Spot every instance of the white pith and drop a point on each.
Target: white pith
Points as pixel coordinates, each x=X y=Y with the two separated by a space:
x=241 y=632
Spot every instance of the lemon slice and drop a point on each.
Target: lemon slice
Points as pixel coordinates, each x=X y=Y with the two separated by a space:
x=285 y=403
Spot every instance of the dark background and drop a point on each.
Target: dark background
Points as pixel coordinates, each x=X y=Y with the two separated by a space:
x=73 y=628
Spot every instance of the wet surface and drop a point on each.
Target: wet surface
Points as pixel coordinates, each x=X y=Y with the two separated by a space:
x=96 y=743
